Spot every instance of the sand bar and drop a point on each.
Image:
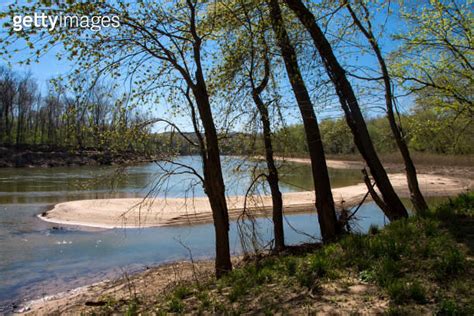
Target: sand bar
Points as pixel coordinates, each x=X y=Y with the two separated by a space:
x=136 y=212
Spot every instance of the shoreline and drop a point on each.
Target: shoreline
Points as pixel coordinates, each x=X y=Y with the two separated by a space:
x=50 y=157
x=158 y=212
x=150 y=281
x=331 y=163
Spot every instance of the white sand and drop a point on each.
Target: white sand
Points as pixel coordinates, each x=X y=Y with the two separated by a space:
x=135 y=212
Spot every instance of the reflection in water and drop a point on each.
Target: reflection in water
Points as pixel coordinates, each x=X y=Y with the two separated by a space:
x=36 y=257
x=52 y=185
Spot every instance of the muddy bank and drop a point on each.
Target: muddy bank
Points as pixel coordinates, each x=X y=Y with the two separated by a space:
x=44 y=156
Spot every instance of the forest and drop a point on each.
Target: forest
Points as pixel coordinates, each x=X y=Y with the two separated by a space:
x=267 y=79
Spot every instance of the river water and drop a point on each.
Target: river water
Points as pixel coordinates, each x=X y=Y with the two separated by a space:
x=39 y=258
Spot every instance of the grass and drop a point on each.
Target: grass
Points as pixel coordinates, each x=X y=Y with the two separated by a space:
x=417 y=265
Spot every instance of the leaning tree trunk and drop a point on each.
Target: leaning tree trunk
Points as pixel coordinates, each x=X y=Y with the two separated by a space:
x=324 y=200
x=416 y=196
x=352 y=111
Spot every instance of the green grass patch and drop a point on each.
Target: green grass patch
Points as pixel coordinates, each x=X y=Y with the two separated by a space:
x=415 y=262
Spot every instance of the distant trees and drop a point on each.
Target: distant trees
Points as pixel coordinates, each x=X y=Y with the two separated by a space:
x=426 y=130
x=64 y=119
x=8 y=90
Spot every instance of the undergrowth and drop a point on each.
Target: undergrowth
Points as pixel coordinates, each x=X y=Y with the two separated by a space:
x=416 y=263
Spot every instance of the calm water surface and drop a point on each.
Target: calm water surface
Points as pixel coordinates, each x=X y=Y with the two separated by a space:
x=38 y=259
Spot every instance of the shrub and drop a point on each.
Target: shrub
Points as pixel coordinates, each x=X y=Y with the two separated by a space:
x=449 y=264
x=401 y=291
x=448 y=307
x=176 y=305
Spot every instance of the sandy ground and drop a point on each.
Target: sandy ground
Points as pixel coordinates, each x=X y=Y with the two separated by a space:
x=334 y=298
x=136 y=212
x=145 y=285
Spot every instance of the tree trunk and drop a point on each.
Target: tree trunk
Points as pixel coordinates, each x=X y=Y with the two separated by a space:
x=8 y=128
x=416 y=196
x=272 y=178
x=324 y=200
x=352 y=111
x=19 y=126
x=36 y=122
x=213 y=180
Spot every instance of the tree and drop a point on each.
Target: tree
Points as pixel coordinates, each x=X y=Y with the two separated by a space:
x=25 y=100
x=436 y=52
x=158 y=47
x=416 y=196
x=324 y=200
x=196 y=84
x=272 y=177
x=246 y=63
x=7 y=98
x=393 y=207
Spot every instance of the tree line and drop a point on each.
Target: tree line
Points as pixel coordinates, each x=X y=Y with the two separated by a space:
x=65 y=118
x=218 y=63
x=426 y=131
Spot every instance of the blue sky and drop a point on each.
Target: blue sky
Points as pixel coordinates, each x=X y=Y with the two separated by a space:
x=49 y=67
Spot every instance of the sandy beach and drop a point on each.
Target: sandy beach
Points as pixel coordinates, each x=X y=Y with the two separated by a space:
x=154 y=212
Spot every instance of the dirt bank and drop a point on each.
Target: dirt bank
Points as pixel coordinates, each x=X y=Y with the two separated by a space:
x=44 y=156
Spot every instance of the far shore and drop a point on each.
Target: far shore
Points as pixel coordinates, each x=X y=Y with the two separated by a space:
x=331 y=163
x=49 y=156
x=156 y=212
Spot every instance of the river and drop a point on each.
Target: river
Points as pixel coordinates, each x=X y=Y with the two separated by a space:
x=39 y=258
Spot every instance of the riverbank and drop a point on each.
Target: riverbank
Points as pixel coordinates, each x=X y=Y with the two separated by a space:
x=149 y=282
x=45 y=156
x=414 y=266
x=154 y=212
x=444 y=165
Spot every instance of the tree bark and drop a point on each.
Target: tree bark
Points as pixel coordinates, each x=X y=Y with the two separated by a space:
x=213 y=179
x=324 y=200
x=272 y=178
x=352 y=111
x=214 y=182
x=416 y=196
